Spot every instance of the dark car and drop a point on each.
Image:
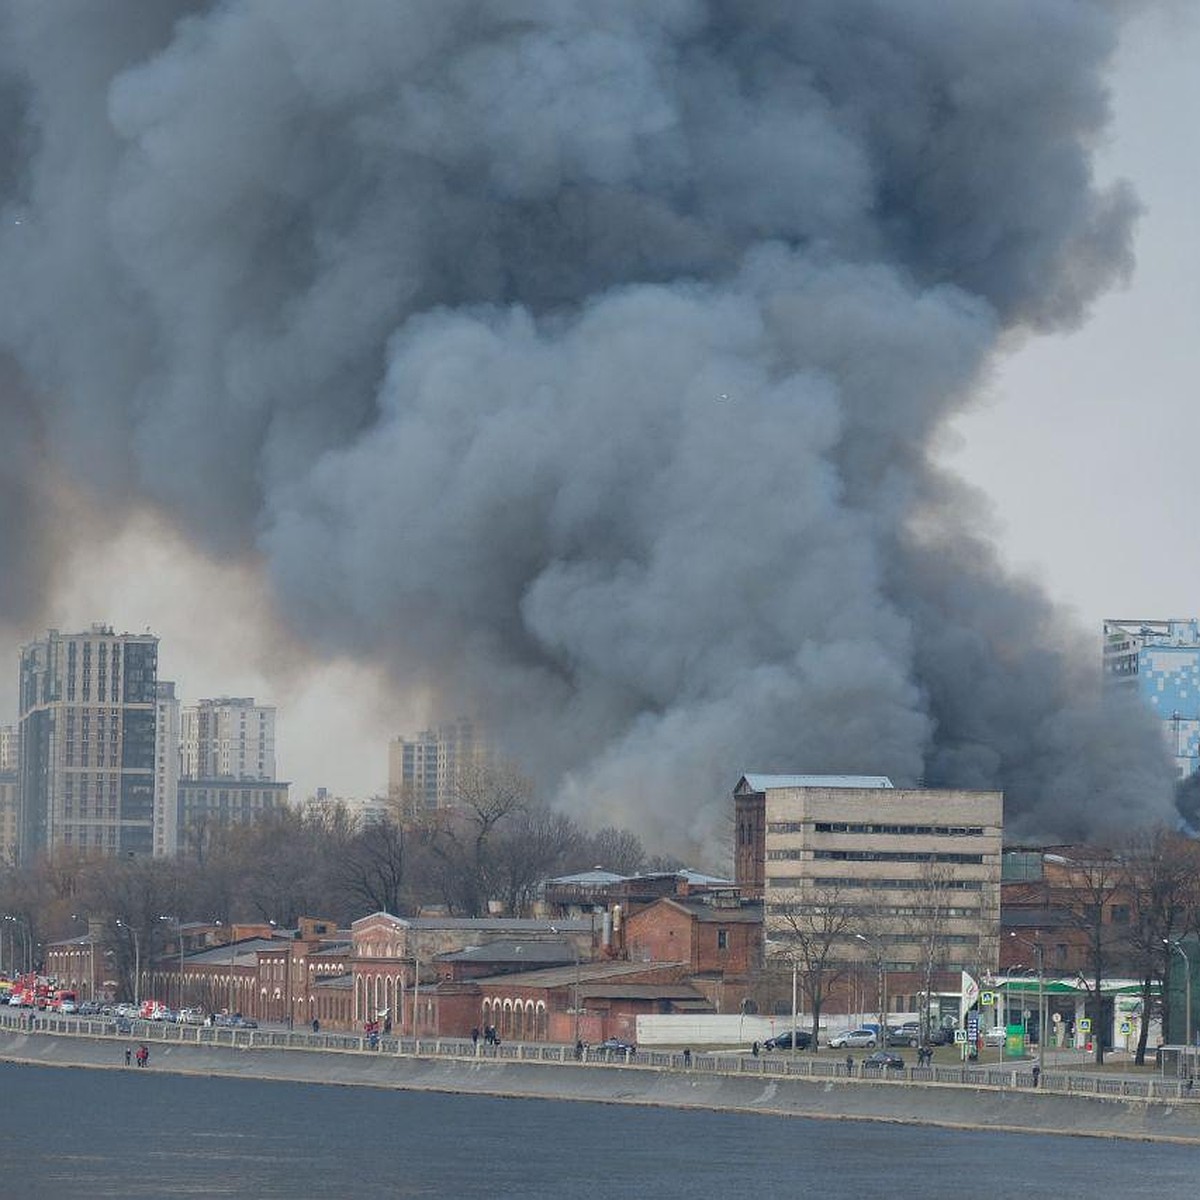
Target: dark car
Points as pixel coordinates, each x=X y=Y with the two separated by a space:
x=903 y=1035
x=783 y=1041
x=613 y=1046
x=883 y=1060
x=940 y=1037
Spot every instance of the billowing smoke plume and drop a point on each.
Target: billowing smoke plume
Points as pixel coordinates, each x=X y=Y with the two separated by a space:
x=583 y=360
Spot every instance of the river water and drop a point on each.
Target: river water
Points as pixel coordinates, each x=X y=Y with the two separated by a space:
x=78 y=1132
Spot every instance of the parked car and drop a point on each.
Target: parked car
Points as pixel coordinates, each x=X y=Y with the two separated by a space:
x=908 y=1034
x=883 y=1060
x=612 y=1045
x=783 y=1041
x=940 y=1036
x=854 y=1037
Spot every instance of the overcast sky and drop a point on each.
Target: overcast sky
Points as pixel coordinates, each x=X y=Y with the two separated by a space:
x=1085 y=445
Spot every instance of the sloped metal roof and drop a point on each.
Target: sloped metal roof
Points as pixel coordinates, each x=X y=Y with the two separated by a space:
x=761 y=783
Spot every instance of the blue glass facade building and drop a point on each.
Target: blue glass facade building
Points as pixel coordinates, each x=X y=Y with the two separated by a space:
x=1160 y=660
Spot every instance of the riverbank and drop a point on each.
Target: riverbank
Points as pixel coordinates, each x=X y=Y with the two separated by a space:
x=940 y=1104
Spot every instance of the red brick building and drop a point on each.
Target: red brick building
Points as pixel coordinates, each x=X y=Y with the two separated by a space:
x=718 y=937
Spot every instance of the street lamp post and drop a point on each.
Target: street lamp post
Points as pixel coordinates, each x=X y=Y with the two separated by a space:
x=875 y=945
x=795 y=998
x=287 y=986
x=26 y=942
x=575 y=1001
x=91 y=943
x=1187 y=993
x=137 y=961
x=179 y=937
x=416 y=996
x=12 y=946
x=1036 y=947
x=232 y=951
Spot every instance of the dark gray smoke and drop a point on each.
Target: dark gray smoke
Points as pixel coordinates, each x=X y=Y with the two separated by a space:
x=582 y=360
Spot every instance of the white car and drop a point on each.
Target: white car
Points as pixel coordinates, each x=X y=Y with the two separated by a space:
x=854 y=1037
x=996 y=1036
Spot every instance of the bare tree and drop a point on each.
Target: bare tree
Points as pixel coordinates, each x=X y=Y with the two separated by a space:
x=927 y=927
x=533 y=844
x=618 y=850
x=1160 y=876
x=812 y=927
x=461 y=838
x=372 y=866
x=1095 y=882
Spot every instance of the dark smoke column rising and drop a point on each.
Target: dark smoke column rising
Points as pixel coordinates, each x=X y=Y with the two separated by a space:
x=584 y=360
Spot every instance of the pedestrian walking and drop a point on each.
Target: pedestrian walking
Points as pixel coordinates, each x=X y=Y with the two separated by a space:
x=687 y=1056
x=128 y=1055
x=316 y=1025
x=1037 y=1075
x=755 y=1049
x=475 y=1037
x=849 y=1064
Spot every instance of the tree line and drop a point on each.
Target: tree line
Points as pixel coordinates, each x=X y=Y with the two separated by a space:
x=489 y=852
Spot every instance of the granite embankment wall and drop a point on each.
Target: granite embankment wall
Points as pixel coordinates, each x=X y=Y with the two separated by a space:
x=871 y=1100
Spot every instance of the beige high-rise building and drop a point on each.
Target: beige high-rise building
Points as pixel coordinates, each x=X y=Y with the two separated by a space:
x=901 y=865
x=423 y=770
x=228 y=738
x=166 y=771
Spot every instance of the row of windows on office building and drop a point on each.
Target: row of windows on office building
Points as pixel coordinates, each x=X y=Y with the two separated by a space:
x=897 y=856
x=867 y=828
x=886 y=885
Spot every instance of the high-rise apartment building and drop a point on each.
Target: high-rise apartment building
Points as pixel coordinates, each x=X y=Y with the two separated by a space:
x=228 y=738
x=1160 y=662
x=10 y=746
x=424 y=770
x=87 y=742
x=904 y=867
x=227 y=767
x=9 y=809
x=166 y=771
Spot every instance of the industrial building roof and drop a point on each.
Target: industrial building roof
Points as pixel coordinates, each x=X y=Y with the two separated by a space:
x=585 y=974
x=760 y=783
x=509 y=951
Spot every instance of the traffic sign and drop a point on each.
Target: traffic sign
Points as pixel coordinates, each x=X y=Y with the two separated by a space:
x=1126 y=1027
x=987 y=999
x=960 y=1037
x=1085 y=1025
